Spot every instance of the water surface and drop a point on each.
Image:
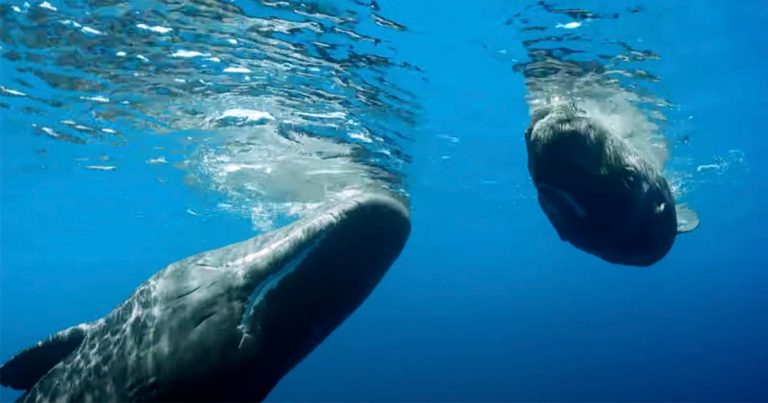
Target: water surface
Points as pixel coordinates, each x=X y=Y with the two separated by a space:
x=114 y=165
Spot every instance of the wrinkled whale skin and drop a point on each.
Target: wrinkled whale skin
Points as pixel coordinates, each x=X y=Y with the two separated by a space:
x=227 y=324
x=598 y=192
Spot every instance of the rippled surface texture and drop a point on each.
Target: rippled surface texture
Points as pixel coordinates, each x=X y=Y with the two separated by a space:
x=610 y=76
x=135 y=134
x=283 y=104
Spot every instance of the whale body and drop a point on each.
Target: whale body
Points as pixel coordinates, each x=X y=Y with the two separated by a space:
x=600 y=192
x=226 y=324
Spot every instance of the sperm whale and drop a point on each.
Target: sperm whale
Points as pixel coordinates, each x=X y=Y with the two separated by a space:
x=226 y=324
x=600 y=192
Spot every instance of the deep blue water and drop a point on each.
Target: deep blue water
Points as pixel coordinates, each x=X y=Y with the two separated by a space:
x=485 y=303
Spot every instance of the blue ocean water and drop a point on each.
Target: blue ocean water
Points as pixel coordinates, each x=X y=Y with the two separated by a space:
x=485 y=303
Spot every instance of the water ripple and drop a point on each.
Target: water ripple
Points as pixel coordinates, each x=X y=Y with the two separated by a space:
x=238 y=74
x=582 y=56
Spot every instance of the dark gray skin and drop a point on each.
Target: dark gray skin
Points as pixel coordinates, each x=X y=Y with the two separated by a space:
x=223 y=325
x=598 y=192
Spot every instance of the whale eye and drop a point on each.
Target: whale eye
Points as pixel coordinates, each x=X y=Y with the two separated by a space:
x=629 y=176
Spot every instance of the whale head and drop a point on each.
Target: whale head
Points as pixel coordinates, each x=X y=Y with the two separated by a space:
x=597 y=191
x=253 y=310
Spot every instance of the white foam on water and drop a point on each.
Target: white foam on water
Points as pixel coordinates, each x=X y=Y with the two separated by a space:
x=50 y=132
x=327 y=115
x=188 y=53
x=704 y=167
x=613 y=108
x=364 y=137
x=101 y=167
x=615 y=111
x=157 y=28
x=97 y=98
x=247 y=114
x=157 y=161
x=9 y=91
x=236 y=69
x=48 y=6
x=569 y=25
x=89 y=30
x=269 y=177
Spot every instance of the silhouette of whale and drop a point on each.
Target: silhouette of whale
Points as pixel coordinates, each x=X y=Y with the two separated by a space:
x=599 y=192
x=226 y=324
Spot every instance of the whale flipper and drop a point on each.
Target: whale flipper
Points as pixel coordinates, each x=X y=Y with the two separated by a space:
x=687 y=219
x=27 y=367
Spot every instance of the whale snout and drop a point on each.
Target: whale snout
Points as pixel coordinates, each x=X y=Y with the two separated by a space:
x=340 y=263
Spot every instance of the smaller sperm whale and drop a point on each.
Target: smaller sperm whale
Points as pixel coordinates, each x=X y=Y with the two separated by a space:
x=599 y=191
x=223 y=325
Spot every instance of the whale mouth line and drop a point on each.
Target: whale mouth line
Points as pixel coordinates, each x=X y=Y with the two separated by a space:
x=561 y=198
x=272 y=282
x=321 y=270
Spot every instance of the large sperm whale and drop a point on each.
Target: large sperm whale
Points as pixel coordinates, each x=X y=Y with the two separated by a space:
x=225 y=324
x=601 y=192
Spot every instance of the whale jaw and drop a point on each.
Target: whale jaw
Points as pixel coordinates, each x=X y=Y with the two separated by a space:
x=330 y=273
